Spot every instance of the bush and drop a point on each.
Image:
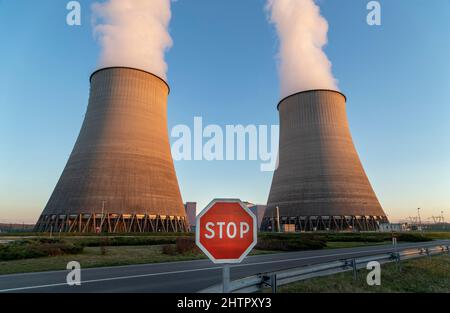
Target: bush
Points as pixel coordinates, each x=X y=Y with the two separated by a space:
x=169 y=249
x=290 y=242
x=104 y=242
x=357 y=237
x=14 y=251
x=183 y=245
x=127 y=241
x=186 y=245
x=28 y=249
x=371 y=237
x=410 y=237
x=439 y=235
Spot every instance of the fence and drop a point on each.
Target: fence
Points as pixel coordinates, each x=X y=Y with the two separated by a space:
x=275 y=279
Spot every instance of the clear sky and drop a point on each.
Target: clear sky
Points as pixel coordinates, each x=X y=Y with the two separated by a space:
x=222 y=67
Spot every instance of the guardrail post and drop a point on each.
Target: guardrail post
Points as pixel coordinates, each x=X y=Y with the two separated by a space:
x=350 y=263
x=396 y=256
x=448 y=250
x=273 y=282
x=269 y=281
x=355 y=272
x=427 y=251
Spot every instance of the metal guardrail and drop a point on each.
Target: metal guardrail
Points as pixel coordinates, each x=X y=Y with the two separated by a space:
x=278 y=278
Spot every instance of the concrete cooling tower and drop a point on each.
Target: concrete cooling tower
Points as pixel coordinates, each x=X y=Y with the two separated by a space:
x=320 y=183
x=120 y=176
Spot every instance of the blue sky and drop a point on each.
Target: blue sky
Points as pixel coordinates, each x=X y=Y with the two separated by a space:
x=222 y=67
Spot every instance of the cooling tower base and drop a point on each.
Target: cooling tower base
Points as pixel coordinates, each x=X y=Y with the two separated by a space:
x=324 y=223
x=111 y=223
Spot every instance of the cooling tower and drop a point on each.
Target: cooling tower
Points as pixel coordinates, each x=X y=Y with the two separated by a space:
x=320 y=183
x=120 y=176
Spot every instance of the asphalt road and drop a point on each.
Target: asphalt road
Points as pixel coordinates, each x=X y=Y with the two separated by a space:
x=180 y=277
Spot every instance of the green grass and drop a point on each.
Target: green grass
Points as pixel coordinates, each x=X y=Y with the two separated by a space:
x=91 y=257
x=423 y=275
x=438 y=235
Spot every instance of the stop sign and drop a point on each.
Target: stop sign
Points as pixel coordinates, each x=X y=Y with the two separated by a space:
x=226 y=231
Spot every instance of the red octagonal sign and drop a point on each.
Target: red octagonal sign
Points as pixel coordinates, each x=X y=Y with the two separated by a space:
x=226 y=231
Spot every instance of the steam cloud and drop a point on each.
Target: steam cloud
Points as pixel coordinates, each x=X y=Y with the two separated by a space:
x=133 y=33
x=303 y=33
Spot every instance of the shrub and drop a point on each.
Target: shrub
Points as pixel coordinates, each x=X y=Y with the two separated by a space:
x=36 y=248
x=186 y=245
x=290 y=242
x=169 y=249
x=104 y=242
x=48 y=240
x=128 y=241
x=183 y=245
x=361 y=237
x=14 y=251
x=409 y=237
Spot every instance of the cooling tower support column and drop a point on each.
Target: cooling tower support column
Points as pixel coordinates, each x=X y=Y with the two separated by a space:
x=120 y=176
x=320 y=183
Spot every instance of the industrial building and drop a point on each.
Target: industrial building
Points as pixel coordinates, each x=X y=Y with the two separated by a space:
x=258 y=210
x=320 y=183
x=191 y=213
x=120 y=176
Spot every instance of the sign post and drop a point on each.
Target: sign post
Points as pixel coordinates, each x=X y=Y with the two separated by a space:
x=226 y=278
x=226 y=232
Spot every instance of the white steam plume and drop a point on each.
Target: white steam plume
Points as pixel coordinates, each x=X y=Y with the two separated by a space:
x=133 y=33
x=302 y=33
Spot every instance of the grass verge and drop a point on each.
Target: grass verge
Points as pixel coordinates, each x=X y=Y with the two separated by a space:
x=424 y=275
x=95 y=257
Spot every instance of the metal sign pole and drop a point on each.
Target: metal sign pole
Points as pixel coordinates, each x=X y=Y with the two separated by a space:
x=226 y=278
